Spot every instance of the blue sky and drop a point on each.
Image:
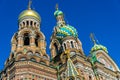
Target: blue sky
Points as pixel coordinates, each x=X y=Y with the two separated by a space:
x=102 y=17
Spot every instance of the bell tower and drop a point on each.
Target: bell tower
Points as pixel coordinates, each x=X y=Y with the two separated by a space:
x=29 y=40
x=28 y=58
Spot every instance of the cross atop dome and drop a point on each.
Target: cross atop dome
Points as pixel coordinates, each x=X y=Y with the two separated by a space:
x=97 y=46
x=56 y=6
x=29 y=4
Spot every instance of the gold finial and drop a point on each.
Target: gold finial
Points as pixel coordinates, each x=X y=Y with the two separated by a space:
x=29 y=4
x=56 y=7
x=93 y=39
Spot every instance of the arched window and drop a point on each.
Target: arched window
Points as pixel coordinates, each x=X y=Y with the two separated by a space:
x=31 y=23
x=18 y=54
x=35 y=24
x=72 y=45
x=36 y=40
x=27 y=23
x=26 y=39
x=23 y=23
x=64 y=46
x=90 y=78
x=56 y=48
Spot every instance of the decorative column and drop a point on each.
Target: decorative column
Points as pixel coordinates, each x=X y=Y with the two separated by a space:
x=20 y=41
x=53 y=54
x=32 y=40
x=42 y=43
x=13 y=46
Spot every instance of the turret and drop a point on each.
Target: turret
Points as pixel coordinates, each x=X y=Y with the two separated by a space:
x=28 y=43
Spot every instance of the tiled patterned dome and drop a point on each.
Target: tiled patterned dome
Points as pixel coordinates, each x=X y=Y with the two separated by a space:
x=65 y=31
x=99 y=47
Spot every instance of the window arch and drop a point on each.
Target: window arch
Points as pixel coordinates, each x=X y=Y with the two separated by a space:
x=72 y=45
x=26 y=39
x=29 y=53
x=31 y=23
x=90 y=78
x=33 y=59
x=56 y=48
x=27 y=22
x=19 y=53
x=45 y=57
x=35 y=24
x=37 y=54
x=64 y=46
x=23 y=23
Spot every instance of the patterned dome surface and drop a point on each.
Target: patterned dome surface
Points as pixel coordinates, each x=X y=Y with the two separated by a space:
x=99 y=47
x=66 y=31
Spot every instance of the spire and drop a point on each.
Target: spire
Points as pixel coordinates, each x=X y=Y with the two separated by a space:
x=92 y=37
x=57 y=11
x=29 y=4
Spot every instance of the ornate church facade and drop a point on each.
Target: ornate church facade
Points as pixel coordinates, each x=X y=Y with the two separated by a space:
x=28 y=59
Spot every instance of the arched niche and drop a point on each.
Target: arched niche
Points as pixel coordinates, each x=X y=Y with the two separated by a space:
x=26 y=39
x=29 y=53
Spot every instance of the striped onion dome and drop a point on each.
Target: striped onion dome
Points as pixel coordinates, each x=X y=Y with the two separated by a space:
x=65 y=31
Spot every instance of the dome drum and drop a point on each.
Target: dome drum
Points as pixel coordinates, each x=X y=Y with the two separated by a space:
x=29 y=23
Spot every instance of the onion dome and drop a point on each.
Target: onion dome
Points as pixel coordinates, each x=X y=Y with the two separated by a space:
x=65 y=31
x=97 y=47
x=29 y=13
x=57 y=13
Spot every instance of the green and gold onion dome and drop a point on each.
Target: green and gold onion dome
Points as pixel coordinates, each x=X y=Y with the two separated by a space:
x=57 y=13
x=65 y=31
x=97 y=47
x=29 y=13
